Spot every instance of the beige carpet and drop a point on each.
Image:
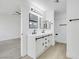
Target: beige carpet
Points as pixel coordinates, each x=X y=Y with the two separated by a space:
x=56 y=52
x=10 y=49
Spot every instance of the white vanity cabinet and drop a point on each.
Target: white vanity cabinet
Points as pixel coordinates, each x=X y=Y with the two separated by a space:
x=38 y=44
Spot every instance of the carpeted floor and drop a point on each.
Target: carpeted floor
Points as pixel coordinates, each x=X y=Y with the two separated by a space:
x=10 y=49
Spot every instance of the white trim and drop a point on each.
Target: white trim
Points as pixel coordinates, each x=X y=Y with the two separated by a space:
x=10 y=39
x=68 y=55
x=60 y=41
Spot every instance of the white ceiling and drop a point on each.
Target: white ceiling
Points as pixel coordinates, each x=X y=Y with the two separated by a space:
x=61 y=6
x=10 y=6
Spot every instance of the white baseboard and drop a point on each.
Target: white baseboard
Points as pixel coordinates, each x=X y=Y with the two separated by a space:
x=53 y=43
x=68 y=55
x=10 y=38
x=60 y=41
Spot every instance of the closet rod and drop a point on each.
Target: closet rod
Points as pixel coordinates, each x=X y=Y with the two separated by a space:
x=73 y=20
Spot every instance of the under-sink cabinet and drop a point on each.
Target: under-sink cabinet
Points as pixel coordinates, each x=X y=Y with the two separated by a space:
x=38 y=45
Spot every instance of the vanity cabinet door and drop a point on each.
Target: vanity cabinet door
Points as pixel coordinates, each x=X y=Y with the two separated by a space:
x=49 y=41
x=39 y=47
x=43 y=45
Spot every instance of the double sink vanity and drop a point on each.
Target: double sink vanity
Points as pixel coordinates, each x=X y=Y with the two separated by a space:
x=38 y=44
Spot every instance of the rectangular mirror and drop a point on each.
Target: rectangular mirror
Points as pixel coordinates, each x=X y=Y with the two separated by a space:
x=45 y=24
x=41 y=23
x=33 y=21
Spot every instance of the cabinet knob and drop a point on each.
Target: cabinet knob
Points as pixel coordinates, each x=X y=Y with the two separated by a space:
x=21 y=33
x=43 y=44
x=45 y=38
x=36 y=39
x=48 y=40
x=46 y=46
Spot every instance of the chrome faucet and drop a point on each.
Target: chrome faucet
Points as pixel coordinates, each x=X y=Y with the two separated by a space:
x=43 y=31
x=34 y=31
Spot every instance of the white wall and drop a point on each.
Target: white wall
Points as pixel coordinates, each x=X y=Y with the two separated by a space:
x=9 y=6
x=60 y=18
x=72 y=9
x=73 y=29
x=9 y=27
